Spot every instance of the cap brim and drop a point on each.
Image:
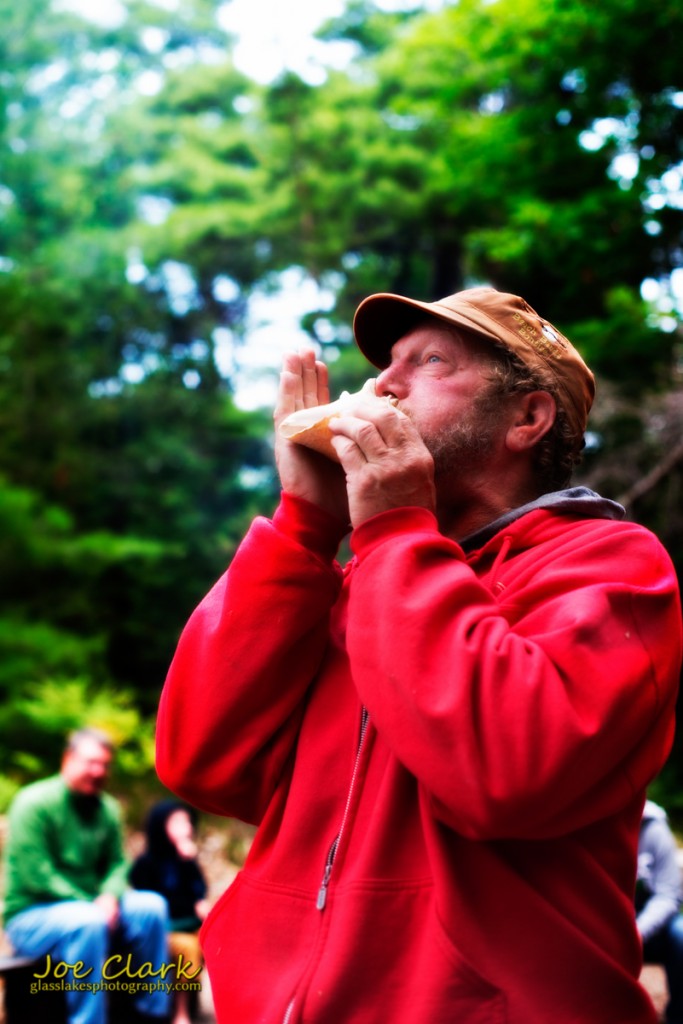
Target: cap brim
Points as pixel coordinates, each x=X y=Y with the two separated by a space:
x=383 y=318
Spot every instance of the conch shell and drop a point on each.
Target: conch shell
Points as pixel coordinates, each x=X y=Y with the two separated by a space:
x=310 y=427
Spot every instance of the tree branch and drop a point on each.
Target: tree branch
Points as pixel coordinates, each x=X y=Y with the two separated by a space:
x=651 y=479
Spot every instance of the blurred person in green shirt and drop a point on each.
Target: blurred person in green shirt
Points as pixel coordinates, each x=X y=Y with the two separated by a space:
x=67 y=897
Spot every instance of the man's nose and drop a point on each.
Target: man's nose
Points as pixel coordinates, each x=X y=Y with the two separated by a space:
x=391 y=382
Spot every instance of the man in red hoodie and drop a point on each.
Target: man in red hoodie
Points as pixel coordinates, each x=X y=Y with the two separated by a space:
x=444 y=745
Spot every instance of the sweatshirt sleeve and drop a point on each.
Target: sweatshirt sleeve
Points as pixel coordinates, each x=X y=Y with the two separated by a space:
x=236 y=688
x=529 y=707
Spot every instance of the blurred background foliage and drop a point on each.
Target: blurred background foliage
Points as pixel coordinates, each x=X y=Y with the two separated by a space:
x=149 y=190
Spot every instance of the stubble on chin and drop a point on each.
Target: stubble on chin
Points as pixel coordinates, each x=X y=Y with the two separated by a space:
x=466 y=443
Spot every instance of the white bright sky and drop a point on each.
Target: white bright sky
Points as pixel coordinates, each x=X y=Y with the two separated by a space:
x=272 y=34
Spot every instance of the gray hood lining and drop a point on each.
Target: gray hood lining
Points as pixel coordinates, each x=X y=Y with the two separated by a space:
x=575 y=501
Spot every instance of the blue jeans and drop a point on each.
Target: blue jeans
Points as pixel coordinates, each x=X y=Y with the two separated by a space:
x=666 y=948
x=75 y=930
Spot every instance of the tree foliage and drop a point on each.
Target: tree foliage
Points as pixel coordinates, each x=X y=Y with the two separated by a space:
x=128 y=474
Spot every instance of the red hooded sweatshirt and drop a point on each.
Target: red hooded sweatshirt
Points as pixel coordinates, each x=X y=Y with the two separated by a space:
x=445 y=748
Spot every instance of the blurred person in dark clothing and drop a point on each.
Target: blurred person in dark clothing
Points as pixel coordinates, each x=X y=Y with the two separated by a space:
x=169 y=866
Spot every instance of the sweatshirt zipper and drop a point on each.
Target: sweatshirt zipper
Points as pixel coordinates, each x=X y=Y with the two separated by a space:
x=332 y=853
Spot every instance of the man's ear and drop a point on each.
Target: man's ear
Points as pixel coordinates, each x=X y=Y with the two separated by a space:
x=534 y=415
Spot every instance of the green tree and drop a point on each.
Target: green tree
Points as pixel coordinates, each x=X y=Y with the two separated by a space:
x=127 y=472
x=469 y=150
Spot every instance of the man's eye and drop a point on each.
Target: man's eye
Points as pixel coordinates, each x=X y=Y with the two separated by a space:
x=433 y=358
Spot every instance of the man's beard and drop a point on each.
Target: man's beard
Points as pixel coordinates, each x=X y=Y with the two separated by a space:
x=466 y=443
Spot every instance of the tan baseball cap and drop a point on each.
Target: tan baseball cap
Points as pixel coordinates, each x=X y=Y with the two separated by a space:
x=383 y=318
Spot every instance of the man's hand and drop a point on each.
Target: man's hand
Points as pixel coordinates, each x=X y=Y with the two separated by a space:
x=109 y=906
x=305 y=473
x=385 y=460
